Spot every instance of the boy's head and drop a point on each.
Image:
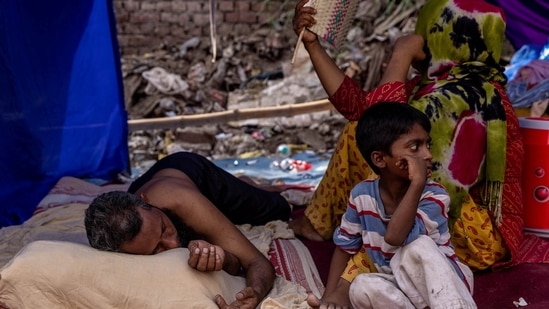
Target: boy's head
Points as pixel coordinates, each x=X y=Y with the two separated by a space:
x=382 y=124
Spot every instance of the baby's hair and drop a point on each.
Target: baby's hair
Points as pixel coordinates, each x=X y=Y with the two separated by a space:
x=383 y=123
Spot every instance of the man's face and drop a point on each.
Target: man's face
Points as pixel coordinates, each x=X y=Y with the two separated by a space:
x=157 y=234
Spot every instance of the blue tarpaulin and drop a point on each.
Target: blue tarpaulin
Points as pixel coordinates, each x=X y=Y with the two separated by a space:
x=61 y=99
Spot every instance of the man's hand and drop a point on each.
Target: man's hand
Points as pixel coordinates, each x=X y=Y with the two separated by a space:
x=245 y=299
x=204 y=256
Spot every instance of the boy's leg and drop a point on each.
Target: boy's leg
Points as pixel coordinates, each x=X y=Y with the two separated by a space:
x=376 y=290
x=428 y=278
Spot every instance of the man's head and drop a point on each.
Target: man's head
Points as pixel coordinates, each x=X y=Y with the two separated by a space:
x=384 y=123
x=122 y=222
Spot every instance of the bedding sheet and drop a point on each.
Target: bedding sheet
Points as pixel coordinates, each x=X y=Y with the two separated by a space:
x=59 y=216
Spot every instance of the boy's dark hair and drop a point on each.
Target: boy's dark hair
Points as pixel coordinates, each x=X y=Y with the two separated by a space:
x=112 y=219
x=382 y=124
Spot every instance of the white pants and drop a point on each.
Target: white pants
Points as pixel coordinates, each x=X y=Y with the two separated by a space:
x=422 y=278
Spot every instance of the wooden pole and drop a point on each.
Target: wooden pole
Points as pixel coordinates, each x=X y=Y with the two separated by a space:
x=231 y=115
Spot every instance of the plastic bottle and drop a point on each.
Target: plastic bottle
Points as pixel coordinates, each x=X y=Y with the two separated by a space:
x=288 y=149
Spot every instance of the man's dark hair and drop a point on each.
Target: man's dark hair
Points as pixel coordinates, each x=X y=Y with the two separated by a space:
x=382 y=124
x=112 y=219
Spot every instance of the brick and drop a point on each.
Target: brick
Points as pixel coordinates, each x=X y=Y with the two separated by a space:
x=139 y=40
x=248 y=17
x=148 y=6
x=243 y=6
x=148 y=28
x=224 y=28
x=131 y=29
x=169 y=17
x=162 y=31
x=183 y=19
x=164 y=6
x=226 y=6
x=231 y=17
x=129 y=51
x=200 y=20
x=195 y=31
x=130 y=5
x=195 y=6
x=123 y=40
x=144 y=17
x=242 y=28
x=117 y=4
x=178 y=31
x=122 y=17
x=265 y=17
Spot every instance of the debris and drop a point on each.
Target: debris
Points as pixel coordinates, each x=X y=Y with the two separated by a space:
x=253 y=70
x=520 y=303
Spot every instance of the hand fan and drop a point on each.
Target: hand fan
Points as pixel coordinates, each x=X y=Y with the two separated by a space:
x=333 y=21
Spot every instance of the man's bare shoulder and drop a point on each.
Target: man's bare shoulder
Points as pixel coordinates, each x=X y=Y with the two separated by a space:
x=168 y=178
x=167 y=188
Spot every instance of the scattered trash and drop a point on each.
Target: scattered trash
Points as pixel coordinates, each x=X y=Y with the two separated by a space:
x=520 y=303
x=165 y=82
x=289 y=149
x=292 y=165
x=253 y=71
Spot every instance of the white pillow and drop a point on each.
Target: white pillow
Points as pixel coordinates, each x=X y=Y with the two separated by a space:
x=57 y=274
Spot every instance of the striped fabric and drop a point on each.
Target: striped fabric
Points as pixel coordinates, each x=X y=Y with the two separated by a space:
x=364 y=223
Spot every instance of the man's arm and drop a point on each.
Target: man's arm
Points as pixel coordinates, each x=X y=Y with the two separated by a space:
x=180 y=195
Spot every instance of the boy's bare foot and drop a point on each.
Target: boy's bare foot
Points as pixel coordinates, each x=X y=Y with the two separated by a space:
x=303 y=227
x=338 y=299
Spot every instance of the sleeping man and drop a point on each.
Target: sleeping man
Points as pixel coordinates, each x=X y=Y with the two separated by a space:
x=185 y=200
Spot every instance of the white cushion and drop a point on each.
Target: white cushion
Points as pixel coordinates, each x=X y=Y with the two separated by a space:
x=58 y=274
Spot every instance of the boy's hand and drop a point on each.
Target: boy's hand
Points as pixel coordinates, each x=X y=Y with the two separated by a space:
x=204 y=256
x=303 y=18
x=418 y=169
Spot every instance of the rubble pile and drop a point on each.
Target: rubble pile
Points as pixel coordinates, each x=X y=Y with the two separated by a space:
x=252 y=70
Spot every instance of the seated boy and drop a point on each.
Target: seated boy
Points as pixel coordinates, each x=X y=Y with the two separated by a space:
x=400 y=220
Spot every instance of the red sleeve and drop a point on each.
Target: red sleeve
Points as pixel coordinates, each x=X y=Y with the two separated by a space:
x=351 y=101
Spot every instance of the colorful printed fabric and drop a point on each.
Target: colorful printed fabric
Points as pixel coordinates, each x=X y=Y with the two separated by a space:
x=364 y=224
x=458 y=93
x=479 y=239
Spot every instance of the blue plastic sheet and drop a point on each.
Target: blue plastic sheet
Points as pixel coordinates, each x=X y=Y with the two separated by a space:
x=61 y=99
x=273 y=168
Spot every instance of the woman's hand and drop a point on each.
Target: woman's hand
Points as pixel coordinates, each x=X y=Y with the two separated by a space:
x=407 y=51
x=303 y=19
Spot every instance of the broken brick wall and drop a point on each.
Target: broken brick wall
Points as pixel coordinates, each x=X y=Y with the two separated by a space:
x=145 y=25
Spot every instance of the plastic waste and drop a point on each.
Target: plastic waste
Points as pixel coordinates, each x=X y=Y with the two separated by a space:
x=288 y=149
x=293 y=165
